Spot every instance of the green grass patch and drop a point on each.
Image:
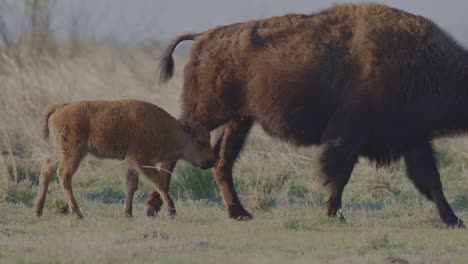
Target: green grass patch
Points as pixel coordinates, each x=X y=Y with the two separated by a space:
x=57 y=206
x=107 y=194
x=103 y=189
x=194 y=183
x=25 y=193
x=461 y=201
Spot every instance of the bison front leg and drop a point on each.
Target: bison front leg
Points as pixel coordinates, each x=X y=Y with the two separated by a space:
x=422 y=170
x=228 y=149
x=155 y=201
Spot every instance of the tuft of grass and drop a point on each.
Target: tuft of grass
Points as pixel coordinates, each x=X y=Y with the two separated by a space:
x=8 y=171
x=445 y=158
x=57 y=206
x=373 y=241
x=298 y=191
x=461 y=201
x=379 y=241
x=24 y=193
x=194 y=183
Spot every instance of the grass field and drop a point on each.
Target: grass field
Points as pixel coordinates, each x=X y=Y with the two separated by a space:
x=387 y=221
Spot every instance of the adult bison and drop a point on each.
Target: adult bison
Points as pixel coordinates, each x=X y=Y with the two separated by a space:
x=359 y=79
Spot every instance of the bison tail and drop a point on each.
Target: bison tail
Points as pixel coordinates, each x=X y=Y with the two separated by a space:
x=45 y=118
x=166 y=65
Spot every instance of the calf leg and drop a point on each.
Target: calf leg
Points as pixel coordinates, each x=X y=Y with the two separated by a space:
x=48 y=169
x=67 y=168
x=132 y=186
x=229 y=148
x=153 y=175
x=155 y=201
x=422 y=170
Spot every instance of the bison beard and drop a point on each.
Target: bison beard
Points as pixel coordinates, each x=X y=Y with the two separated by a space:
x=359 y=79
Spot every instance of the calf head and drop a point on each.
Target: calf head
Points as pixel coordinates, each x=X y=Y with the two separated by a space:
x=197 y=149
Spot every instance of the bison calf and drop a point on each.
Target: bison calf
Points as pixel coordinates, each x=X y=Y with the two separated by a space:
x=139 y=132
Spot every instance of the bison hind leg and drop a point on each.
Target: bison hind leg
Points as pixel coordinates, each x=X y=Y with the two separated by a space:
x=337 y=162
x=342 y=142
x=422 y=171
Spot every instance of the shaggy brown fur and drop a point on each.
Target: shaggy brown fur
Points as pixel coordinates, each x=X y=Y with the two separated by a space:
x=139 y=132
x=359 y=79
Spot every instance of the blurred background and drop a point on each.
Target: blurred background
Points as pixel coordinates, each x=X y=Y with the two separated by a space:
x=156 y=21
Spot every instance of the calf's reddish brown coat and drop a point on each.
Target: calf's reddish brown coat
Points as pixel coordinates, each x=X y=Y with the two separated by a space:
x=140 y=132
x=359 y=79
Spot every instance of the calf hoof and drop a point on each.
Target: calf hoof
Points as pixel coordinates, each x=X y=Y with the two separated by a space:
x=78 y=216
x=150 y=212
x=239 y=214
x=128 y=214
x=153 y=205
x=172 y=213
x=38 y=213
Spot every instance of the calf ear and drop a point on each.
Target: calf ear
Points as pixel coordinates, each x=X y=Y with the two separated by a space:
x=187 y=129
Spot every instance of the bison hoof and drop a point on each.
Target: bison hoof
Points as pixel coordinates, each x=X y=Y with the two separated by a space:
x=341 y=218
x=456 y=223
x=239 y=214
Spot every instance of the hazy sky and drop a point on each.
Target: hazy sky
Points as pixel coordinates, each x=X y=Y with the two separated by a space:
x=151 y=20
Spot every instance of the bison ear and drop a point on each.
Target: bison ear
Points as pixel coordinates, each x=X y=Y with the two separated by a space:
x=187 y=129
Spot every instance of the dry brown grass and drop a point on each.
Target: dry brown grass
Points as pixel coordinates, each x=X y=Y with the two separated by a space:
x=29 y=83
x=8 y=171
